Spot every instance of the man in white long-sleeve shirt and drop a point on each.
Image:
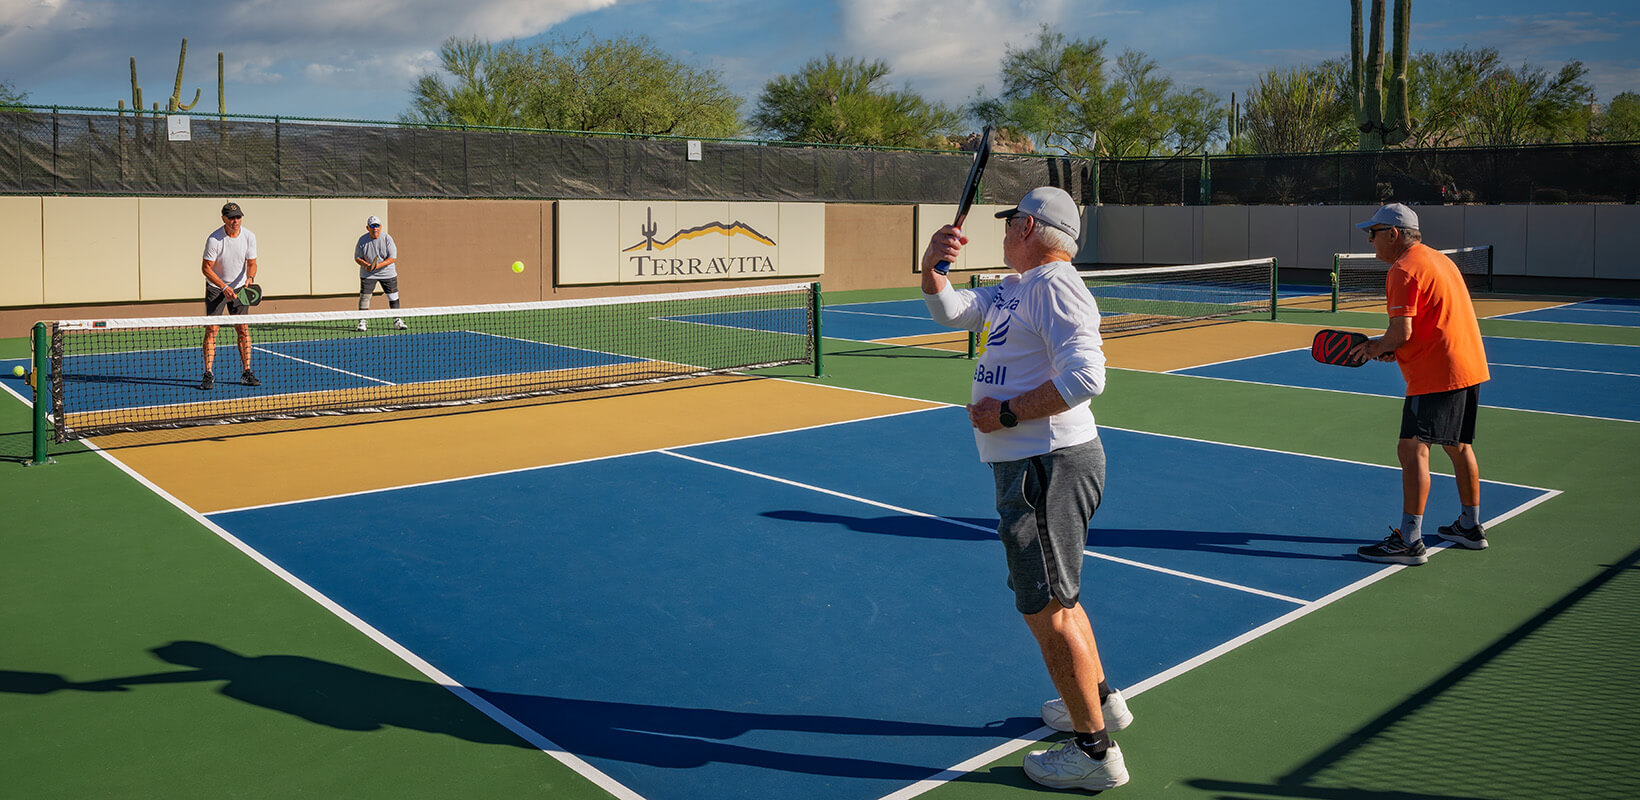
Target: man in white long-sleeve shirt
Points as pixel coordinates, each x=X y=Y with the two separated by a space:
x=1041 y=362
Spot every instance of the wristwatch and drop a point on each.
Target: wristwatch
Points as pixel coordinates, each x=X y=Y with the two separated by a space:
x=1006 y=416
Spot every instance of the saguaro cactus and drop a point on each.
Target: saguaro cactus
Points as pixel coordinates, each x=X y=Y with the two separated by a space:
x=136 y=91
x=175 y=102
x=221 y=95
x=1381 y=123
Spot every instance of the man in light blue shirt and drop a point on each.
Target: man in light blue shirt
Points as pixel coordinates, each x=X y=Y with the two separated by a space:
x=378 y=260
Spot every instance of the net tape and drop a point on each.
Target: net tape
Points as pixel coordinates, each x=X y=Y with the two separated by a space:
x=1360 y=277
x=1145 y=297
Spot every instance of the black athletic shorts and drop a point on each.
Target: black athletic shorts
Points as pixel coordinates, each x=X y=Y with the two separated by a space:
x=218 y=302
x=1445 y=418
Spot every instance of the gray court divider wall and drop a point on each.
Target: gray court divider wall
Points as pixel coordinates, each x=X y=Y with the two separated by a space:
x=1555 y=241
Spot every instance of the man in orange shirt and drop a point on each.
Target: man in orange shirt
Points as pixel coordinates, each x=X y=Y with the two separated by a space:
x=1434 y=337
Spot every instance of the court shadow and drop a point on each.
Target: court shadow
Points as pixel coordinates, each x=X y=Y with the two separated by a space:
x=1231 y=543
x=318 y=691
x=1102 y=539
x=682 y=738
x=342 y=697
x=893 y=525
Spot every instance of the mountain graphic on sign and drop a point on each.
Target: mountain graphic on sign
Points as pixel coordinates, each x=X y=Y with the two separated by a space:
x=736 y=228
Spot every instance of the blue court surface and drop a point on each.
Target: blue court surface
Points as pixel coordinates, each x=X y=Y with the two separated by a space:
x=1577 y=378
x=1614 y=312
x=818 y=613
x=292 y=367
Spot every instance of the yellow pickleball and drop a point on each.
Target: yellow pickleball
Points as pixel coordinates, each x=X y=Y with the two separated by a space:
x=518 y=266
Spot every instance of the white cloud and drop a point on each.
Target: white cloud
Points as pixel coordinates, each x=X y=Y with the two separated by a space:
x=947 y=48
x=323 y=42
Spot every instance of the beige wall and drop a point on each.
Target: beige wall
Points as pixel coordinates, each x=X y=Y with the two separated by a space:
x=141 y=258
x=984 y=231
x=457 y=252
x=336 y=226
x=22 y=266
x=865 y=246
x=171 y=245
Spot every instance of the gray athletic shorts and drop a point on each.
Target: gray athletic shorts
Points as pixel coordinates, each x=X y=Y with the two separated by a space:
x=367 y=286
x=1045 y=504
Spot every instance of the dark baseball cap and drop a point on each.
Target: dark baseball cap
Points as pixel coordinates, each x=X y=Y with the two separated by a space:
x=231 y=210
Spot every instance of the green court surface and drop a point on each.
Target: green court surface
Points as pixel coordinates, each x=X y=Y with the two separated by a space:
x=1508 y=673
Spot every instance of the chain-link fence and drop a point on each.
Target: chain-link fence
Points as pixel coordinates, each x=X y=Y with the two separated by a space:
x=93 y=151
x=86 y=152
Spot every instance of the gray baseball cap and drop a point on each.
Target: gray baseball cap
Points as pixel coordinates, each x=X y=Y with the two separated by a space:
x=1394 y=215
x=1051 y=205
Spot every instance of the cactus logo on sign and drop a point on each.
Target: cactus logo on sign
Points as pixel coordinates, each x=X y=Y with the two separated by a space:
x=650 y=257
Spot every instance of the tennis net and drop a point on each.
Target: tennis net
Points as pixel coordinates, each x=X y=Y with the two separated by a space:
x=1360 y=277
x=120 y=375
x=1145 y=297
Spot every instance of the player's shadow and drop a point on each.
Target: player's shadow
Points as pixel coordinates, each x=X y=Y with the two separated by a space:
x=1232 y=543
x=350 y=699
x=896 y=525
x=1103 y=539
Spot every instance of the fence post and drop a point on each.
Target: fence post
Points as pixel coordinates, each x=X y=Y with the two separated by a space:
x=1206 y=181
x=54 y=149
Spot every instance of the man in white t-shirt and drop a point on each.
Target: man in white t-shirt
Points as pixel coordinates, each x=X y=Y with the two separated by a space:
x=1041 y=363
x=229 y=264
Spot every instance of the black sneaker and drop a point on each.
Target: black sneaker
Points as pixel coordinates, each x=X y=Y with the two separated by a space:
x=1393 y=550
x=249 y=379
x=208 y=382
x=1471 y=538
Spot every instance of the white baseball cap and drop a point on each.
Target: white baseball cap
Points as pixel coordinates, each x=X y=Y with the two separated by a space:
x=1394 y=215
x=372 y=221
x=1051 y=205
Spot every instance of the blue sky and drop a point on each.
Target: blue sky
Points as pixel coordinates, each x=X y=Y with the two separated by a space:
x=357 y=58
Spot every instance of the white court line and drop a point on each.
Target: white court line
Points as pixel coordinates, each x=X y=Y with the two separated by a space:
x=506 y=720
x=321 y=366
x=919 y=317
x=1569 y=369
x=971 y=526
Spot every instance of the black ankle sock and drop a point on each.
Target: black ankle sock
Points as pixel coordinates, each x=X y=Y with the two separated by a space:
x=1104 y=692
x=1094 y=745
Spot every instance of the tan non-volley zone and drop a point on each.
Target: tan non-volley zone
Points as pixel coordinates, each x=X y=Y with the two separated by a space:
x=240 y=471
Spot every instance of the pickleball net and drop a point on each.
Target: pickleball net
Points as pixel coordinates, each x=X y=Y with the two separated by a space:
x=1359 y=278
x=124 y=375
x=1146 y=297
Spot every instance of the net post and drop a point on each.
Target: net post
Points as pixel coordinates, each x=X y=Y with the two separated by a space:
x=1275 y=286
x=1490 y=252
x=42 y=372
x=1338 y=261
x=814 y=313
x=973 y=338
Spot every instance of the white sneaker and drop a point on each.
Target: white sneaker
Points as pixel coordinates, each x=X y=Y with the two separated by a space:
x=1065 y=766
x=1115 y=710
x=361 y=325
x=399 y=323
